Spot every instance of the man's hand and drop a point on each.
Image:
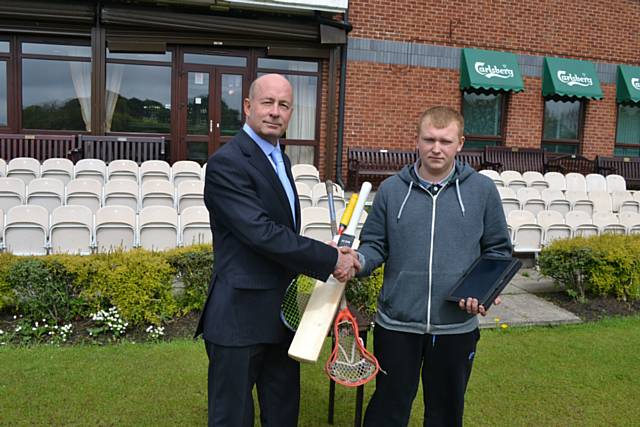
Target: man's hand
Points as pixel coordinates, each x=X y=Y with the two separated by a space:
x=471 y=306
x=348 y=264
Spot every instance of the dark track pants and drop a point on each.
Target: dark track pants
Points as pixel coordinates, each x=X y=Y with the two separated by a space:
x=446 y=362
x=233 y=371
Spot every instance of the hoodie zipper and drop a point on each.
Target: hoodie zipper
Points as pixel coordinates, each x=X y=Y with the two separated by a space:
x=433 y=227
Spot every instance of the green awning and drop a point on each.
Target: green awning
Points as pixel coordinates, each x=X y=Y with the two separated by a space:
x=628 y=84
x=570 y=78
x=487 y=69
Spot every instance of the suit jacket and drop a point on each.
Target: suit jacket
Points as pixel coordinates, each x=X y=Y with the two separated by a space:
x=257 y=248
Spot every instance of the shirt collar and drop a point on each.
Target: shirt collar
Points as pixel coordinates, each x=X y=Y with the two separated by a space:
x=266 y=147
x=426 y=183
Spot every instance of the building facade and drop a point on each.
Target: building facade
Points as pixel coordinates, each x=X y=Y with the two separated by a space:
x=180 y=69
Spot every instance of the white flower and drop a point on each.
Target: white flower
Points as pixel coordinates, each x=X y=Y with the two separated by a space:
x=1 y=332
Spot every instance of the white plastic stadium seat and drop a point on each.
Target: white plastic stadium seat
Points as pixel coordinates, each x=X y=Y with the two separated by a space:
x=156 y=170
x=304 y=195
x=3 y=168
x=24 y=168
x=122 y=192
x=157 y=192
x=596 y=182
x=320 y=199
x=194 y=226
x=601 y=201
x=12 y=193
x=190 y=193
x=91 y=169
x=85 y=192
x=45 y=192
x=535 y=180
x=123 y=169
x=581 y=223
x=305 y=173
x=531 y=200
x=513 y=180
x=158 y=228
x=615 y=183
x=552 y=222
x=71 y=230
x=622 y=201
x=631 y=220
x=509 y=200
x=608 y=222
x=26 y=229
x=527 y=233
x=494 y=175
x=185 y=170
x=315 y=223
x=579 y=201
x=575 y=182
x=1 y=230
x=556 y=181
x=115 y=228
x=556 y=201
x=60 y=169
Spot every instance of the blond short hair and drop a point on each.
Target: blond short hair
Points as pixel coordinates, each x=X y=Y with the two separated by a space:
x=441 y=117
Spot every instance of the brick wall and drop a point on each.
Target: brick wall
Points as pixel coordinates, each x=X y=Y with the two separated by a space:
x=383 y=101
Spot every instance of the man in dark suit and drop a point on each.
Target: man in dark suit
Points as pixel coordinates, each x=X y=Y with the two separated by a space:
x=255 y=218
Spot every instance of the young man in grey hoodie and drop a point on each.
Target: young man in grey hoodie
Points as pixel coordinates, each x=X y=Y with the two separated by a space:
x=427 y=225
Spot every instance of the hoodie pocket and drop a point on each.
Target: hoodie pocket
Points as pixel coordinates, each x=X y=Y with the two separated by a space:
x=406 y=299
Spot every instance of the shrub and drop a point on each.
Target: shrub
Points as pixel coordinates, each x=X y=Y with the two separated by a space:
x=44 y=289
x=7 y=295
x=193 y=266
x=137 y=282
x=602 y=265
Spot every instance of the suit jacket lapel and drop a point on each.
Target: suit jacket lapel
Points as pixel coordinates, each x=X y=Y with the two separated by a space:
x=264 y=166
x=287 y=164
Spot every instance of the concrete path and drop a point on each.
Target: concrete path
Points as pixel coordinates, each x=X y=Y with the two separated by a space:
x=521 y=307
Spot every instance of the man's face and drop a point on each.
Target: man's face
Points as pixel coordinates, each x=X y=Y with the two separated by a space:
x=437 y=149
x=269 y=110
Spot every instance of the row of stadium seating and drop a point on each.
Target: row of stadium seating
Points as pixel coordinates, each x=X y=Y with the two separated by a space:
x=315 y=223
x=530 y=232
x=74 y=229
x=557 y=181
x=51 y=193
x=531 y=199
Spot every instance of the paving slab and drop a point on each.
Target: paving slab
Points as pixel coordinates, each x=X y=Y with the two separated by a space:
x=526 y=309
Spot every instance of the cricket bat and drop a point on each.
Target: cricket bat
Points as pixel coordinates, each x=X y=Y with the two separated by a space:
x=325 y=299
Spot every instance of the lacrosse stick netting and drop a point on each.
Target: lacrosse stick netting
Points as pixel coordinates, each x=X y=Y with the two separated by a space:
x=350 y=364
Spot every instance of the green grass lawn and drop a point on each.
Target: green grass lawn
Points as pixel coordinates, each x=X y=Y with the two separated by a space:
x=579 y=375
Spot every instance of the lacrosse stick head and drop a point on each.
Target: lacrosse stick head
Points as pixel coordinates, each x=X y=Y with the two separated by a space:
x=295 y=301
x=350 y=364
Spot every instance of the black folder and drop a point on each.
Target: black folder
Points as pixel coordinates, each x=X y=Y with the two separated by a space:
x=485 y=279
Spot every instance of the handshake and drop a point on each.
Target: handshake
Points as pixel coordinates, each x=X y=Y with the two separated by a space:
x=348 y=263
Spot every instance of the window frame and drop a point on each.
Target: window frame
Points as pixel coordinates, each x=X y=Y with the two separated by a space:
x=18 y=56
x=503 y=116
x=578 y=143
x=6 y=57
x=623 y=146
x=315 y=142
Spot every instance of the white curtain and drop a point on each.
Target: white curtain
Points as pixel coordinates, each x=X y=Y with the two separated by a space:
x=303 y=120
x=81 y=77
x=114 y=81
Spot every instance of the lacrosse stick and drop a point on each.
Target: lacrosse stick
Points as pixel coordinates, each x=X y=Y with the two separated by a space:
x=350 y=364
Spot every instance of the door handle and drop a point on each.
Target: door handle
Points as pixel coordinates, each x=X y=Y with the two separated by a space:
x=210 y=126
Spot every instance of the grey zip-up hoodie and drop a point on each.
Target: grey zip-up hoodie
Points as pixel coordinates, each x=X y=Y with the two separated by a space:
x=427 y=242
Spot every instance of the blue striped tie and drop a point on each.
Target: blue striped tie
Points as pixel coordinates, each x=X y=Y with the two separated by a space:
x=276 y=155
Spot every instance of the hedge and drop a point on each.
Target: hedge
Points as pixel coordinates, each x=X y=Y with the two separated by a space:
x=606 y=265
x=146 y=287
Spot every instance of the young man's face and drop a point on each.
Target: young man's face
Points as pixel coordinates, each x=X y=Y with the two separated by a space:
x=437 y=149
x=269 y=110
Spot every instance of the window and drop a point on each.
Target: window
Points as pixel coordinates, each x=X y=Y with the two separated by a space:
x=562 y=127
x=60 y=98
x=4 y=51
x=628 y=131
x=301 y=132
x=138 y=97
x=483 y=119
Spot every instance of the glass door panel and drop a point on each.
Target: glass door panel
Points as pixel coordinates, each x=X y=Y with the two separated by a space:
x=230 y=104
x=198 y=121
